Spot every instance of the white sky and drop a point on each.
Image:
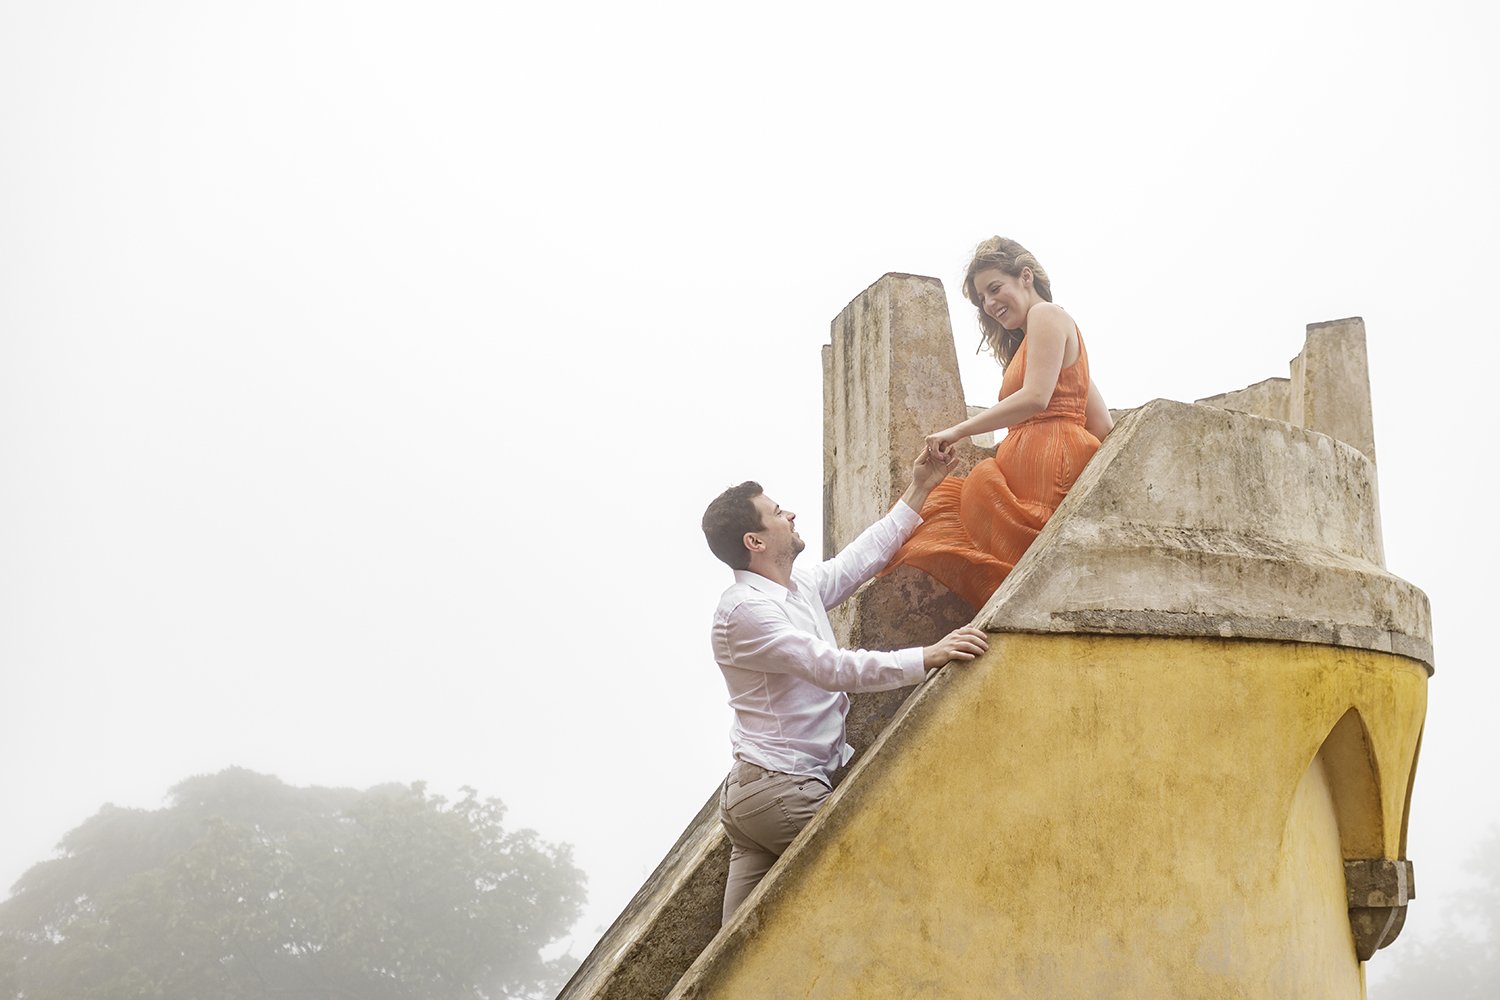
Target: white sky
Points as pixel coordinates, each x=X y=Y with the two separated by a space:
x=365 y=368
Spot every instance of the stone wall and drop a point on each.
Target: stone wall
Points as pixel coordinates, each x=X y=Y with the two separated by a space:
x=1199 y=715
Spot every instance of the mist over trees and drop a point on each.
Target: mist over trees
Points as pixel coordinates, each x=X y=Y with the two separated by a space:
x=245 y=887
x=1462 y=960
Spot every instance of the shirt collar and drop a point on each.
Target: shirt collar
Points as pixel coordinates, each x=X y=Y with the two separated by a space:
x=757 y=582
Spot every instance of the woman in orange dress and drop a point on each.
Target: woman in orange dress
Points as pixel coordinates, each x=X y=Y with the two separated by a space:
x=975 y=529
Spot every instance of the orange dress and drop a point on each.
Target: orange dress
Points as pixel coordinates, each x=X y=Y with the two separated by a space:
x=975 y=529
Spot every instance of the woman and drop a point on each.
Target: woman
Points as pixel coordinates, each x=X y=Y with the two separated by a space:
x=975 y=529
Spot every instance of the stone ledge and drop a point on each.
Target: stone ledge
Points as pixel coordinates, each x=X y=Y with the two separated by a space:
x=1275 y=537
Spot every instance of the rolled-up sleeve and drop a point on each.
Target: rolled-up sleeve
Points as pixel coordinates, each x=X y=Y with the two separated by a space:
x=757 y=635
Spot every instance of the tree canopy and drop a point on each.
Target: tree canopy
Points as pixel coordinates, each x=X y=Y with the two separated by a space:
x=245 y=887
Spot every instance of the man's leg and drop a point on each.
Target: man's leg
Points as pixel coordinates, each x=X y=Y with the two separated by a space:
x=762 y=811
x=747 y=866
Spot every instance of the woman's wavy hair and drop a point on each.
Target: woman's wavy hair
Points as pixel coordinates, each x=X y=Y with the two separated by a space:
x=1010 y=257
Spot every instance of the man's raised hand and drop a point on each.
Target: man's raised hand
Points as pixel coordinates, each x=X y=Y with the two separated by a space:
x=926 y=472
x=930 y=468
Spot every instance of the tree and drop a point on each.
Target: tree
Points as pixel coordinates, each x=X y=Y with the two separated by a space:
x=245 y=887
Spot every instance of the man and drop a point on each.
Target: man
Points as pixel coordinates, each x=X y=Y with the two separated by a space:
x=785 y=672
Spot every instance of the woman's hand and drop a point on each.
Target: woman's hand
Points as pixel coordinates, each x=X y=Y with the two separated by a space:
x=940 y=445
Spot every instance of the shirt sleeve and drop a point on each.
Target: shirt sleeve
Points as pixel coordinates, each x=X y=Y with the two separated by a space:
x=867 y=555
x=757 y=635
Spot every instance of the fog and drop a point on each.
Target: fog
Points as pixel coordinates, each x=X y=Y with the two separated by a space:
x=365 y=368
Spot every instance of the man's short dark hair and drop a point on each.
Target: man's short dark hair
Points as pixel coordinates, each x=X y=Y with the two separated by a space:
x=728 y=519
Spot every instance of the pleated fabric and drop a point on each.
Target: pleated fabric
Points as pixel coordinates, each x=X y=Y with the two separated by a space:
x=976 y=528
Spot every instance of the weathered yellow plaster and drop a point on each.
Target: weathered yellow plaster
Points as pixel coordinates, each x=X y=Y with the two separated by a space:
x=1099 y=816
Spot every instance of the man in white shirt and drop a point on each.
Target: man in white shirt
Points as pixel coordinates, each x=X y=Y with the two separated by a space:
x=785 y=672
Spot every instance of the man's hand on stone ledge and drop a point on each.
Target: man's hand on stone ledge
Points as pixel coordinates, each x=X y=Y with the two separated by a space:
x=961 y=644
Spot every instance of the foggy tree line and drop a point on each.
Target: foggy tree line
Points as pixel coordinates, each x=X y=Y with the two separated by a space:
x=1461 y=960
x=245 y=887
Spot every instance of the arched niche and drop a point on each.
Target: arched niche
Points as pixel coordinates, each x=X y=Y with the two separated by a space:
x=1378 y=887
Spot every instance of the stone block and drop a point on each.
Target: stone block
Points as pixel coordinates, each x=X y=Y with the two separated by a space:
x=1330 y=390
x=890 y=378
x=1379 y=889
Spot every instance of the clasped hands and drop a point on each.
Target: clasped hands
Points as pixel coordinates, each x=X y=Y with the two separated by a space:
x=941 y=444
x=930 y=468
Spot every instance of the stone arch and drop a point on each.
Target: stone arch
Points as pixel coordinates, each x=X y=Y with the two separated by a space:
x=1354 y=781
x=1378 y=887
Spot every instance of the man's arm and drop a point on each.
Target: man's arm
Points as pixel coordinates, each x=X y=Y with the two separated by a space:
x=758 y=636
x=867 y=555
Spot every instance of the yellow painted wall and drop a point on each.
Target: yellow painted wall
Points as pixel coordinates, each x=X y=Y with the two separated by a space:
x=1102 y=817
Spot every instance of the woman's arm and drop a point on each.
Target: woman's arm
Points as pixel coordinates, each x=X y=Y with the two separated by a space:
x=1096 y=419
x=1048 y=330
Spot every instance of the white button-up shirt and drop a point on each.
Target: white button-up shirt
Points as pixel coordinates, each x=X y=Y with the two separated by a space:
x=785 y=671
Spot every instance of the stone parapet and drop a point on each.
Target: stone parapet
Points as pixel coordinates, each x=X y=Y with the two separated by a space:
x=1198 y=521
x=1328 y=391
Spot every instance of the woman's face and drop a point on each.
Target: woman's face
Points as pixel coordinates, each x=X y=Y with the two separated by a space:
x=1003 y=297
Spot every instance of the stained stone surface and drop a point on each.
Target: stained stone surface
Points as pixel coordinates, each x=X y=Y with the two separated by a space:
x=1199 y=521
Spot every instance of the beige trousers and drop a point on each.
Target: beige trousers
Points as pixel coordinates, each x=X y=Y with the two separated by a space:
x=762 y=812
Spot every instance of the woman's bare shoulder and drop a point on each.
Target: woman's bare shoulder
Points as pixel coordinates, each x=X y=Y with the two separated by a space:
x=1051 y=320
x=1051 y=314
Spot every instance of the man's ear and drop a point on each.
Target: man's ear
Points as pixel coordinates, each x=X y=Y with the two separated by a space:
x=753 y=542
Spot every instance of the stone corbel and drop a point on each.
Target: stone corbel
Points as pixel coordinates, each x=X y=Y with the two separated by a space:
x=1379 y=890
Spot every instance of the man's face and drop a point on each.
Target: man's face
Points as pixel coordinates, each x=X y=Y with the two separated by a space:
x=780 y=529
